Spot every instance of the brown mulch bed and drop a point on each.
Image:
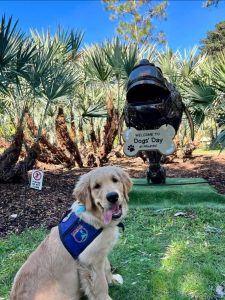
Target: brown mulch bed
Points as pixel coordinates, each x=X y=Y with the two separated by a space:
x=45 y=208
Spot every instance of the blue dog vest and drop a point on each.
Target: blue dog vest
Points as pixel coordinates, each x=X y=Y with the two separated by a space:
x=76 y=235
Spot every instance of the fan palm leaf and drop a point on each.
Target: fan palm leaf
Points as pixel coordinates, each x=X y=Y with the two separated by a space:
x=196 y=92
x=114 y=51
x=57 y=81
x=219 y=141
x=9 y=42
x=190 y=62
x=129 y=59
x=95 y=64
x=218 y=72
x=168 y=62
x=97 y=111
x=70 y=42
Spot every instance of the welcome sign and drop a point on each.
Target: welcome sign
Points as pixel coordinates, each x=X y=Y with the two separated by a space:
x=146 y=140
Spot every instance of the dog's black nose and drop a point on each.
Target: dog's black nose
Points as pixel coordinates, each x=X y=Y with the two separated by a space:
x=112 y=197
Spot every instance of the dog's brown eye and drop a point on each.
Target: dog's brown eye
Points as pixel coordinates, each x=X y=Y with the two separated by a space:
x=97 y=186
x=114 y=179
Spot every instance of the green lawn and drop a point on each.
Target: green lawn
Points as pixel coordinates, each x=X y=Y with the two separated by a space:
x=207 y=152
x=160 y=256
x=182 y=192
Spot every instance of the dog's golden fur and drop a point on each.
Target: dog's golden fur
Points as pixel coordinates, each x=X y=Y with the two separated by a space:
x=50 y=273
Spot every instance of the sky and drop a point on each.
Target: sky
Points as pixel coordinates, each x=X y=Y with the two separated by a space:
x=187 y=23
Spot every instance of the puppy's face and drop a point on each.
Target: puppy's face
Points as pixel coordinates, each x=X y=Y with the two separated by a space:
x=104 y=191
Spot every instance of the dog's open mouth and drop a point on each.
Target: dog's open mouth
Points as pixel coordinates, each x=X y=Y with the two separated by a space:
x=114 y=212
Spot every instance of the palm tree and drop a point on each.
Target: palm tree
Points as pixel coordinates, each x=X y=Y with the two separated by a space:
x=200 y=82
x=46 y=79
x=15 y=54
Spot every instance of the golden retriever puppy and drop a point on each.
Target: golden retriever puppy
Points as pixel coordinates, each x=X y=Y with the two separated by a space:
x=52 y=272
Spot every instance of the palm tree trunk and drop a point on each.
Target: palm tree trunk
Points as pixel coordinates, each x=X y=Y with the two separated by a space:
x=94 y=141
x=48 y=152
x=120 y=129
x=45 y=155
x=110 y=132
x=19 y=170
x=10 y=169
x=11 y=155
x=3 y=143
x=65 y=140
x=72 y=126
x=81 y=135
x=99 y=135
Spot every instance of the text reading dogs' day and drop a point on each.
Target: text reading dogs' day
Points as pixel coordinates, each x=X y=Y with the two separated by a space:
x=139 y=138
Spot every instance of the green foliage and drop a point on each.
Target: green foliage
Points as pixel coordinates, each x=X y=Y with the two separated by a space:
x=36 y=71
x=214 y=42
x=121 y=57
x=70 y=42
x=135 y=19
x=96 y=111
x=218 y=72
x=15 y=52
x=219 y=141
x=44 y=70
x=95 y=64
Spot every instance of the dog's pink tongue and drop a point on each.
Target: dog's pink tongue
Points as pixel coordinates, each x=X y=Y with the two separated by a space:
x=107 y=216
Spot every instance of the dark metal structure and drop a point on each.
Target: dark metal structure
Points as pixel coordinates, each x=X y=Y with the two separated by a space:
x=151 y=101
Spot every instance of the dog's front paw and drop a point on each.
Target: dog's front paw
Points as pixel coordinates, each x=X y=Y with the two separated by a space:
x=117 y=279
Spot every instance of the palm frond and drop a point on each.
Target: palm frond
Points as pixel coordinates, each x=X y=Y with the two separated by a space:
x=168 y=62
x=95 y=64
x=71 y=42
x=198 y=117
x=58 y=81
x=218 y=72
x=95 y=111
x=219 y=141
x=9 y=42
x=114 y=51
x=129 y=59
x=198 y=93
x=149 y=52
x=189 y=62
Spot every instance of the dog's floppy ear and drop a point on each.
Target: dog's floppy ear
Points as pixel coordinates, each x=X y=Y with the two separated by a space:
x=127 y=183
x=82 y=191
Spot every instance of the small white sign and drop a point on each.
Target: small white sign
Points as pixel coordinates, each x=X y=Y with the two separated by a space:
x=146 y=140
x=36 y=179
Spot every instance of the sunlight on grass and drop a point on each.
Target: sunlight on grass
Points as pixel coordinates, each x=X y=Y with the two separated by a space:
x=207 y=152
x=174 y=255
x=195 y=285
x=182 y=271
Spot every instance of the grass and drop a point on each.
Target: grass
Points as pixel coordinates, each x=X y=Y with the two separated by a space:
x=14 y=250
x=207 y=152
x=160 y=256
x=182 y=192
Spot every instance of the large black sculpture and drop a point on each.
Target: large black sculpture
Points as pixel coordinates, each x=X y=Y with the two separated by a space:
x=151 y=101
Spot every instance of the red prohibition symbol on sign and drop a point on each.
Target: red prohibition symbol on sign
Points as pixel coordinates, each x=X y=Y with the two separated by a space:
x=37 y=175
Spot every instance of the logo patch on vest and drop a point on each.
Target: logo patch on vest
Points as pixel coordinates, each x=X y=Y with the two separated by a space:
x=80 y=234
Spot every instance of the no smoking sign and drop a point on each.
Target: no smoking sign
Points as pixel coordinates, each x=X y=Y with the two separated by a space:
x=36 y=179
